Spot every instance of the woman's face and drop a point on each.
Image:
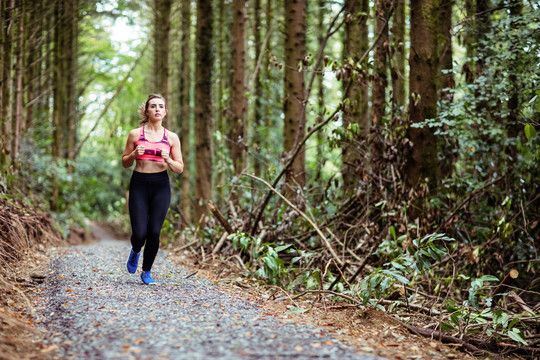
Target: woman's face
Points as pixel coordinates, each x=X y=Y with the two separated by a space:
x=156 y=109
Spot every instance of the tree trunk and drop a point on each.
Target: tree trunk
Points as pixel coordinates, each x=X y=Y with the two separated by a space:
x=380 y=81
x=8 y=8
x=2 y=85
x=258 y=110
x=422 y=161
x=203 y=108
x=185 y=108
x=356 y=120
x=34 y=30
x=320 y=88
x=18 y=119
x=397 y=42
x=162 y=27
x=238 y=96
x=447 y=81
x=58 y=81
x=223 y=61
x=294 y=90
x=70 y=73
x=513 y=125
x=445 y=47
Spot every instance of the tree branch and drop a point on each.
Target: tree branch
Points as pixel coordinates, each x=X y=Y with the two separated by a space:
x=324 y=239
x=109 y=102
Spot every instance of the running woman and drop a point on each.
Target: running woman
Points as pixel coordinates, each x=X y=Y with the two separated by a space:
x=154 y=150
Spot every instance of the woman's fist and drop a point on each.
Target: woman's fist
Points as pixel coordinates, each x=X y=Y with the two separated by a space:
x=139 y=150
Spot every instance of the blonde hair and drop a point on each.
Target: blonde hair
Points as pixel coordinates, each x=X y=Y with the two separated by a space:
x=144 y=107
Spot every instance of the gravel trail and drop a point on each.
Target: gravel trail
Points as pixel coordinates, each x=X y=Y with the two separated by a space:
x=92 y=308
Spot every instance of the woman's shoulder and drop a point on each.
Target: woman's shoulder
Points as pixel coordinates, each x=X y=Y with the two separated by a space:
x=171 y=133
x=135 y=132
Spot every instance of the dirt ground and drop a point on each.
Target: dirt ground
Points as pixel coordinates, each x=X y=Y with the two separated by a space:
x=367 y=329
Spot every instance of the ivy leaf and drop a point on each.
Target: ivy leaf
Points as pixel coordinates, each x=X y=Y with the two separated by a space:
x=516 y=335
x=530 y=131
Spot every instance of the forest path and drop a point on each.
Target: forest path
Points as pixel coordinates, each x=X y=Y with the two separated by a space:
x=92 y=308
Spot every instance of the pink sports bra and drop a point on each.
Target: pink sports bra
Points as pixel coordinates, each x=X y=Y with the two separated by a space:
x=152 y=150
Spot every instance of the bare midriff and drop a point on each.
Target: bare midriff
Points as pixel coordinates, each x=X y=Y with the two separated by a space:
x=145 y=166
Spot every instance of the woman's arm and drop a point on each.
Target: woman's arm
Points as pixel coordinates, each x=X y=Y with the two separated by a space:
x=174 y=159
x=131 y=152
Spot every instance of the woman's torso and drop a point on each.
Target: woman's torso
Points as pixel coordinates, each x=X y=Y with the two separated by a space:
x=151 y=161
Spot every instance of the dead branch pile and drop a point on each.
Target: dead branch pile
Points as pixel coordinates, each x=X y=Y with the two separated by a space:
x=21 y=230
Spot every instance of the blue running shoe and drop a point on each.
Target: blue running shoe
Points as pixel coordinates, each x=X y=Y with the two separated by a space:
x=133 y=262
x=147 y=278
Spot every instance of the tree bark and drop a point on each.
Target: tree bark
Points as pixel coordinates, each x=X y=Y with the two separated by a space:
x=422 y=161
x=8 y=10
x=162 y=27
x=203 y=108
x=397 y=41
x=294 y=89
x=356 y=120
x=70 y=73
x=185 y=108
x=445 y=46
x=18 y=119
x=58 y=81
x=320 y=88
x=447 y=80
x=257 y=86
x=380 y=80
x=238 y=98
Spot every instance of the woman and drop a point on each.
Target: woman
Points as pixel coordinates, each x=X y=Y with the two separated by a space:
x=154 y=149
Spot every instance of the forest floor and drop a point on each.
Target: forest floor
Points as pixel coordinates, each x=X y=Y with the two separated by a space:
x=71 y=289
x=368 y=329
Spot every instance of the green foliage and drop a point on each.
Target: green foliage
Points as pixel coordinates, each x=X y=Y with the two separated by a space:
x=488 y=130
x=478 y=309
x=265 y=263
x=404 y=265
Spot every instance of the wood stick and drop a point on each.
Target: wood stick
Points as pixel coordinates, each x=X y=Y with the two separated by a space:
x=520 y=302
x=324 y=239
x=342 y=270
x=220 y=243
x=361 y=267
x=512 y=274
x=328 y=292
x=186 y=246
x=220 y=217
x=436 y=334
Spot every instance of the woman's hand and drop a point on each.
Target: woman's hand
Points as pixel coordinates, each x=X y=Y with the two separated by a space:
x=139 y=150
x=165 y=155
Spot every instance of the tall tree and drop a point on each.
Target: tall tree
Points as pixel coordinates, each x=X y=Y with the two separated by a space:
x=380 y=81
x=7 y=78
x=58 y=80
x=258 y=112
x=71 y=9
x=447 y=80
x=397 y=45
x=185 y=108
x=203 y=108
x=18 y=119
x=320 y=84
x=294 y=89
x=445 y=46
x=356 y=120
x=162 y=28
x=238 y=98
x=424 y=72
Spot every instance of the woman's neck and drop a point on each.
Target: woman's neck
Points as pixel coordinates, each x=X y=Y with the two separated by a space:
x=153 y=126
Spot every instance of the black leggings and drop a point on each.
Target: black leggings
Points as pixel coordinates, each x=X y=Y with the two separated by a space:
x=149 y=200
